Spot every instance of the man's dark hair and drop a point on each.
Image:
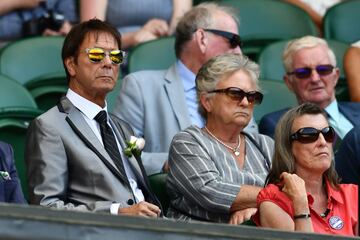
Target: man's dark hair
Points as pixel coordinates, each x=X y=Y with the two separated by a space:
x=78 y=33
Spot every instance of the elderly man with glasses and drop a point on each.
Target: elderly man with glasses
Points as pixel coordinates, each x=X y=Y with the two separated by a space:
x=312 y=75
x=78 y=156
x=159 y=104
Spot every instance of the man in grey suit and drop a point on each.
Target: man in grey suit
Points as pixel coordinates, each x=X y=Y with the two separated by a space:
x=75 y=151
x=159 y=104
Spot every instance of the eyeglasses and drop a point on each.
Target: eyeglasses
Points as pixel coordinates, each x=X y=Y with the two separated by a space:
x=322 y=70
x=310 y=134
x=238 y=94
x=234 y=39
x=97 y=55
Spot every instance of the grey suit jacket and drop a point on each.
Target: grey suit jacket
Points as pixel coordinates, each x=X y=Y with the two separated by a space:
x=153 y=103
x=68 y=167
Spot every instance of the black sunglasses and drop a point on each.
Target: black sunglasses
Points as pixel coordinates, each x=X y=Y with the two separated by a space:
x=322 y=70
x=234 y=39
x=310 y=134
x=238 y=94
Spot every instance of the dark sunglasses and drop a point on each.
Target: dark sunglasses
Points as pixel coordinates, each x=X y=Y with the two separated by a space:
x=97 y=55
x=237 y=94
x=234 y=39
x=322 y=70
x=310 y=134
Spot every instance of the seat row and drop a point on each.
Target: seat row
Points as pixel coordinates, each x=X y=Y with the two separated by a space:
x=266 y=21
x=17 y=105
x=36 y=62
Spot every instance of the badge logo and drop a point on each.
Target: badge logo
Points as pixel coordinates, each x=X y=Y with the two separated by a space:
x=336 y=222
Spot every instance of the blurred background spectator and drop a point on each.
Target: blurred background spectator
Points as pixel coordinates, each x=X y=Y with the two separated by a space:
x=316 y=9
x=20 y=18
x=352 y=70
x=137 y=21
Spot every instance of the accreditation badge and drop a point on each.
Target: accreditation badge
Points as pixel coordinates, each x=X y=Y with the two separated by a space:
x=336 y=222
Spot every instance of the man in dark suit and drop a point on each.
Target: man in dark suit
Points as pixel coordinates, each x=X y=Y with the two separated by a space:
x=10 y=188
x=75 y=151
x=311 y=73
x=347 y=158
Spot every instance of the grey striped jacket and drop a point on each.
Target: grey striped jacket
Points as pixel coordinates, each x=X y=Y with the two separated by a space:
x=204 y=177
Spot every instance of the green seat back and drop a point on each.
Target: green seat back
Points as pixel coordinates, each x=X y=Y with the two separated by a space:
x=341 y=21
x=271 y=64
x=111 y=96
x=266 y=21
x=158 y=185
x=14 y=95
x=152 y=55
x=31 y=58
x=276 y=96
x=47 y=97
x=36 y=64
x=17 y=109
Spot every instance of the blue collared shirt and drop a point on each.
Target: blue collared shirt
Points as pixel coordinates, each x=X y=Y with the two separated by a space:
x=188 y=79
x=337 y=120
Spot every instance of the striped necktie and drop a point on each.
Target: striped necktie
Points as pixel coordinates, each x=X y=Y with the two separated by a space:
x=109 y=141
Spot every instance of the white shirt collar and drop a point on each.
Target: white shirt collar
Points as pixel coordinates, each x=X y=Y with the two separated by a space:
x=88 y=108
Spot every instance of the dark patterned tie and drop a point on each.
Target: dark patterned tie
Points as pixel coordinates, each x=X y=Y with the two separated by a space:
x=337 y=139
x=109 y=141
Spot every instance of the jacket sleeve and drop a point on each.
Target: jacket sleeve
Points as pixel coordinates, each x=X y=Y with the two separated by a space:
x=130 y=107
x=48 y=170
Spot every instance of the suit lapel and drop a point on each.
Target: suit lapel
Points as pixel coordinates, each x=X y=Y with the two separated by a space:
x=174 y=89
x=85 y=133
x=351 y=114
x=122 y=138
x=135 y=162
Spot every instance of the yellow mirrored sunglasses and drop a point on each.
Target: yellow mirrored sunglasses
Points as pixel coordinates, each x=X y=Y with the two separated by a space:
x=97 y=55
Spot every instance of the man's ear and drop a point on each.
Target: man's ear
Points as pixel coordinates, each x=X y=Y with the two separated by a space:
x=201 y=40
x=288 y=82
x=70 y=66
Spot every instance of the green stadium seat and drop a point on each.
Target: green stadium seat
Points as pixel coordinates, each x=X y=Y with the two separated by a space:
x=152 y=55
x=276 y=96
x=340 y=22
x=158 y=185
x=36 y=63
x=13 y=131
x=111 y=96
x=265 y=21
x=17 y=109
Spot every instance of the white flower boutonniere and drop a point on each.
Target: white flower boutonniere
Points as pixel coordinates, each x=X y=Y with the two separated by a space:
x=5 y=175
x=134 y=146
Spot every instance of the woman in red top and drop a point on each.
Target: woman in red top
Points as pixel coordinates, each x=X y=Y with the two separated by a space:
x=303 y=191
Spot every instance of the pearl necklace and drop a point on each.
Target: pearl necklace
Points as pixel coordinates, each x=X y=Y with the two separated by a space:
x=236 y=150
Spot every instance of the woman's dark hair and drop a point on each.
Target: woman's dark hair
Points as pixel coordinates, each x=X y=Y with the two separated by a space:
x=283 y=159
